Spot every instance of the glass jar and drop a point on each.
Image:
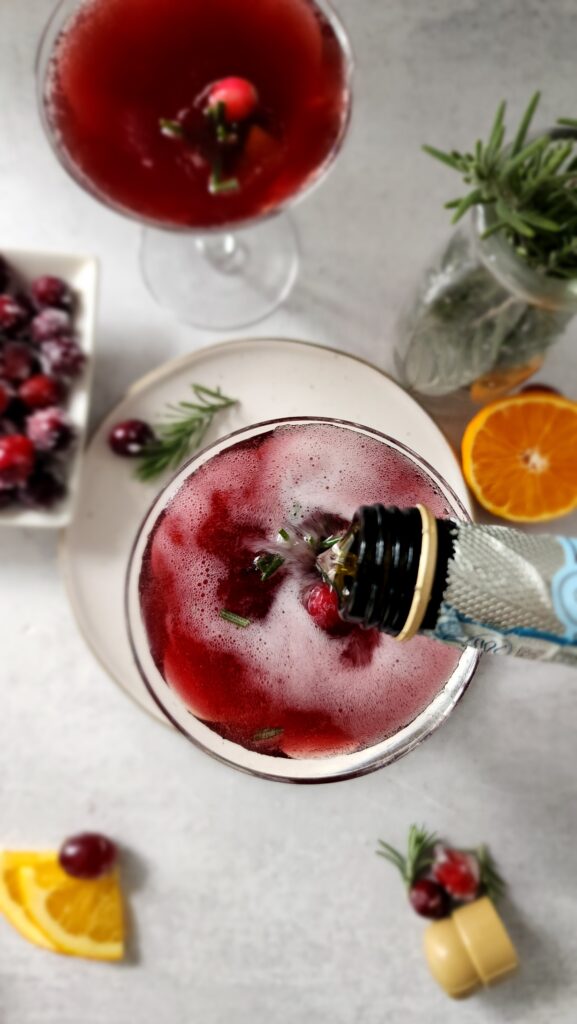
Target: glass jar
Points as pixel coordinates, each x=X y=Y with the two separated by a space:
x=481 y=319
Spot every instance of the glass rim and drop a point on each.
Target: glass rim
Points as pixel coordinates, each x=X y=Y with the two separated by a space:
x=309 y=770
x=51 y=33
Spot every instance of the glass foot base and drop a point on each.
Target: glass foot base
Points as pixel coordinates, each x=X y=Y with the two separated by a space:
x=223 y=280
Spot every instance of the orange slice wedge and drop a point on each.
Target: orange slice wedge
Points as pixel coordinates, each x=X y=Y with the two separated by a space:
x=11 y=897
x=76 y=917
x=520 y=457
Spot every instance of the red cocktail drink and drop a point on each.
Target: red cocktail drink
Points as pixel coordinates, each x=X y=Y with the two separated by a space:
x=251 y=658
x=123 y=69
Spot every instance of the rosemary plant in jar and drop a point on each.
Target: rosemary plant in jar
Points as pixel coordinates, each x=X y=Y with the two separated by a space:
x=505 y=287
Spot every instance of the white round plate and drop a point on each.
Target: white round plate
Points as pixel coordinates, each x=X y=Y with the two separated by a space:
x=271 y=378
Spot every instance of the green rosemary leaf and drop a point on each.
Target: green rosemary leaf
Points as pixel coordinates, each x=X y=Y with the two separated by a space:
x=236 y=620
x=267 y=565
x=283 y=534
x=497 y=131
x=568 y=122
x=266 y=734
x=491 y=880
x=535 y=147
x=513 y=219
x=420 y=849
x=525 y=123
x=172 y=129
x=181 y=432
x=445 y=158
x=329 y=542
x=466 y=203
x=538 y=221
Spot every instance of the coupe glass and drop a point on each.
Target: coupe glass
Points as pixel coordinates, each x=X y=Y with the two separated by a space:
x=222 y=275
x=285 y=769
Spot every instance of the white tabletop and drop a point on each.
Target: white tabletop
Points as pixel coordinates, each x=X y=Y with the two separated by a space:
x=255 y=903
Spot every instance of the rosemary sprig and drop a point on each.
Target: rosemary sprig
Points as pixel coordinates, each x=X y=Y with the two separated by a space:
x=267 y=564
x=266 y=734
x=236 y=620
x=491 y=880
x=181 y=431
x=419 y=856
x=530 y=187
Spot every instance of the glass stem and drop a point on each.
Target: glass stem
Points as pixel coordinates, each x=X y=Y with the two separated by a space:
x=223 y=251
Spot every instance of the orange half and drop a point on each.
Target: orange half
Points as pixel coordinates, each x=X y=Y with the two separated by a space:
x=520 y=457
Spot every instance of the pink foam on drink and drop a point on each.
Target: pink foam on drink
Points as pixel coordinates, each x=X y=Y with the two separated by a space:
x=281 y=685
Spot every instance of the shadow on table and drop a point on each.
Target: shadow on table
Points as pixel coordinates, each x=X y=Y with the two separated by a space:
x=542 y=973
x=134 y=876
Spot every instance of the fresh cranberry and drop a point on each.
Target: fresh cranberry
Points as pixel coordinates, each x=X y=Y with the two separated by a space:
x=12 y=314
x=88 y=855
x=51 y=291
x=50 y=430
x=322 y=604
x=42 y=490
x=130 y=437
x=5 y=396
x=459 y=873
x=40 y=391
x=16 y=460
x=239 y=97
x=429 y=899
x=50 y=323
x=17 y=362
x=63 y=357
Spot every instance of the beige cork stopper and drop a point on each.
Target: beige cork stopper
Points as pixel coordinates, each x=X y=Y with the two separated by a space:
x=469 y=949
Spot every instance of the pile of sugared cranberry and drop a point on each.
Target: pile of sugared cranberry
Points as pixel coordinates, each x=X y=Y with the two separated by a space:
x=39 y=359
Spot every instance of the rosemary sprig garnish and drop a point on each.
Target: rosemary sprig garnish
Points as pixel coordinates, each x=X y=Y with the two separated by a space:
x=181 y=432
x=419 y=856
x=266 y=734
x=531 y=188
x=267 y=564
x=236 y=620
x=492 y=882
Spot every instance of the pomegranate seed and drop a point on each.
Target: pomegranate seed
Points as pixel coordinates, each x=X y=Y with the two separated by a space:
x=88 y=855
x=130 y=438
x=429 y=899
x=459 y=873
x=16 y=460
x=40 y=391
x=239 y=97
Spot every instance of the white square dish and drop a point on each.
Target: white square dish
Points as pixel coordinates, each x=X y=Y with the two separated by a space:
x=81 y=273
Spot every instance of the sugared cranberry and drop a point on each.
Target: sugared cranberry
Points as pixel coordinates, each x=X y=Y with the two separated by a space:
x=130 y=437
x=50 y=323
x=322 y=604
x=12 y=314
x=16 y=460
x=5 y=396
x=50 y=430
x=429 y=899
x=51 y=291
x=18 y=362
x=63 y=357
x=42 y=490
x=459 y=873
x=88 y=855
x=40 y=391
x=238 y=95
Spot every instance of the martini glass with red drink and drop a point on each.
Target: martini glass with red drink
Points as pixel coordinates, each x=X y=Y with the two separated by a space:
x=236 y=635
x=203 y=119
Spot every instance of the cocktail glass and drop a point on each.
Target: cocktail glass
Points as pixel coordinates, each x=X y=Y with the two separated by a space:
x=285 y=768
x=216 y=260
